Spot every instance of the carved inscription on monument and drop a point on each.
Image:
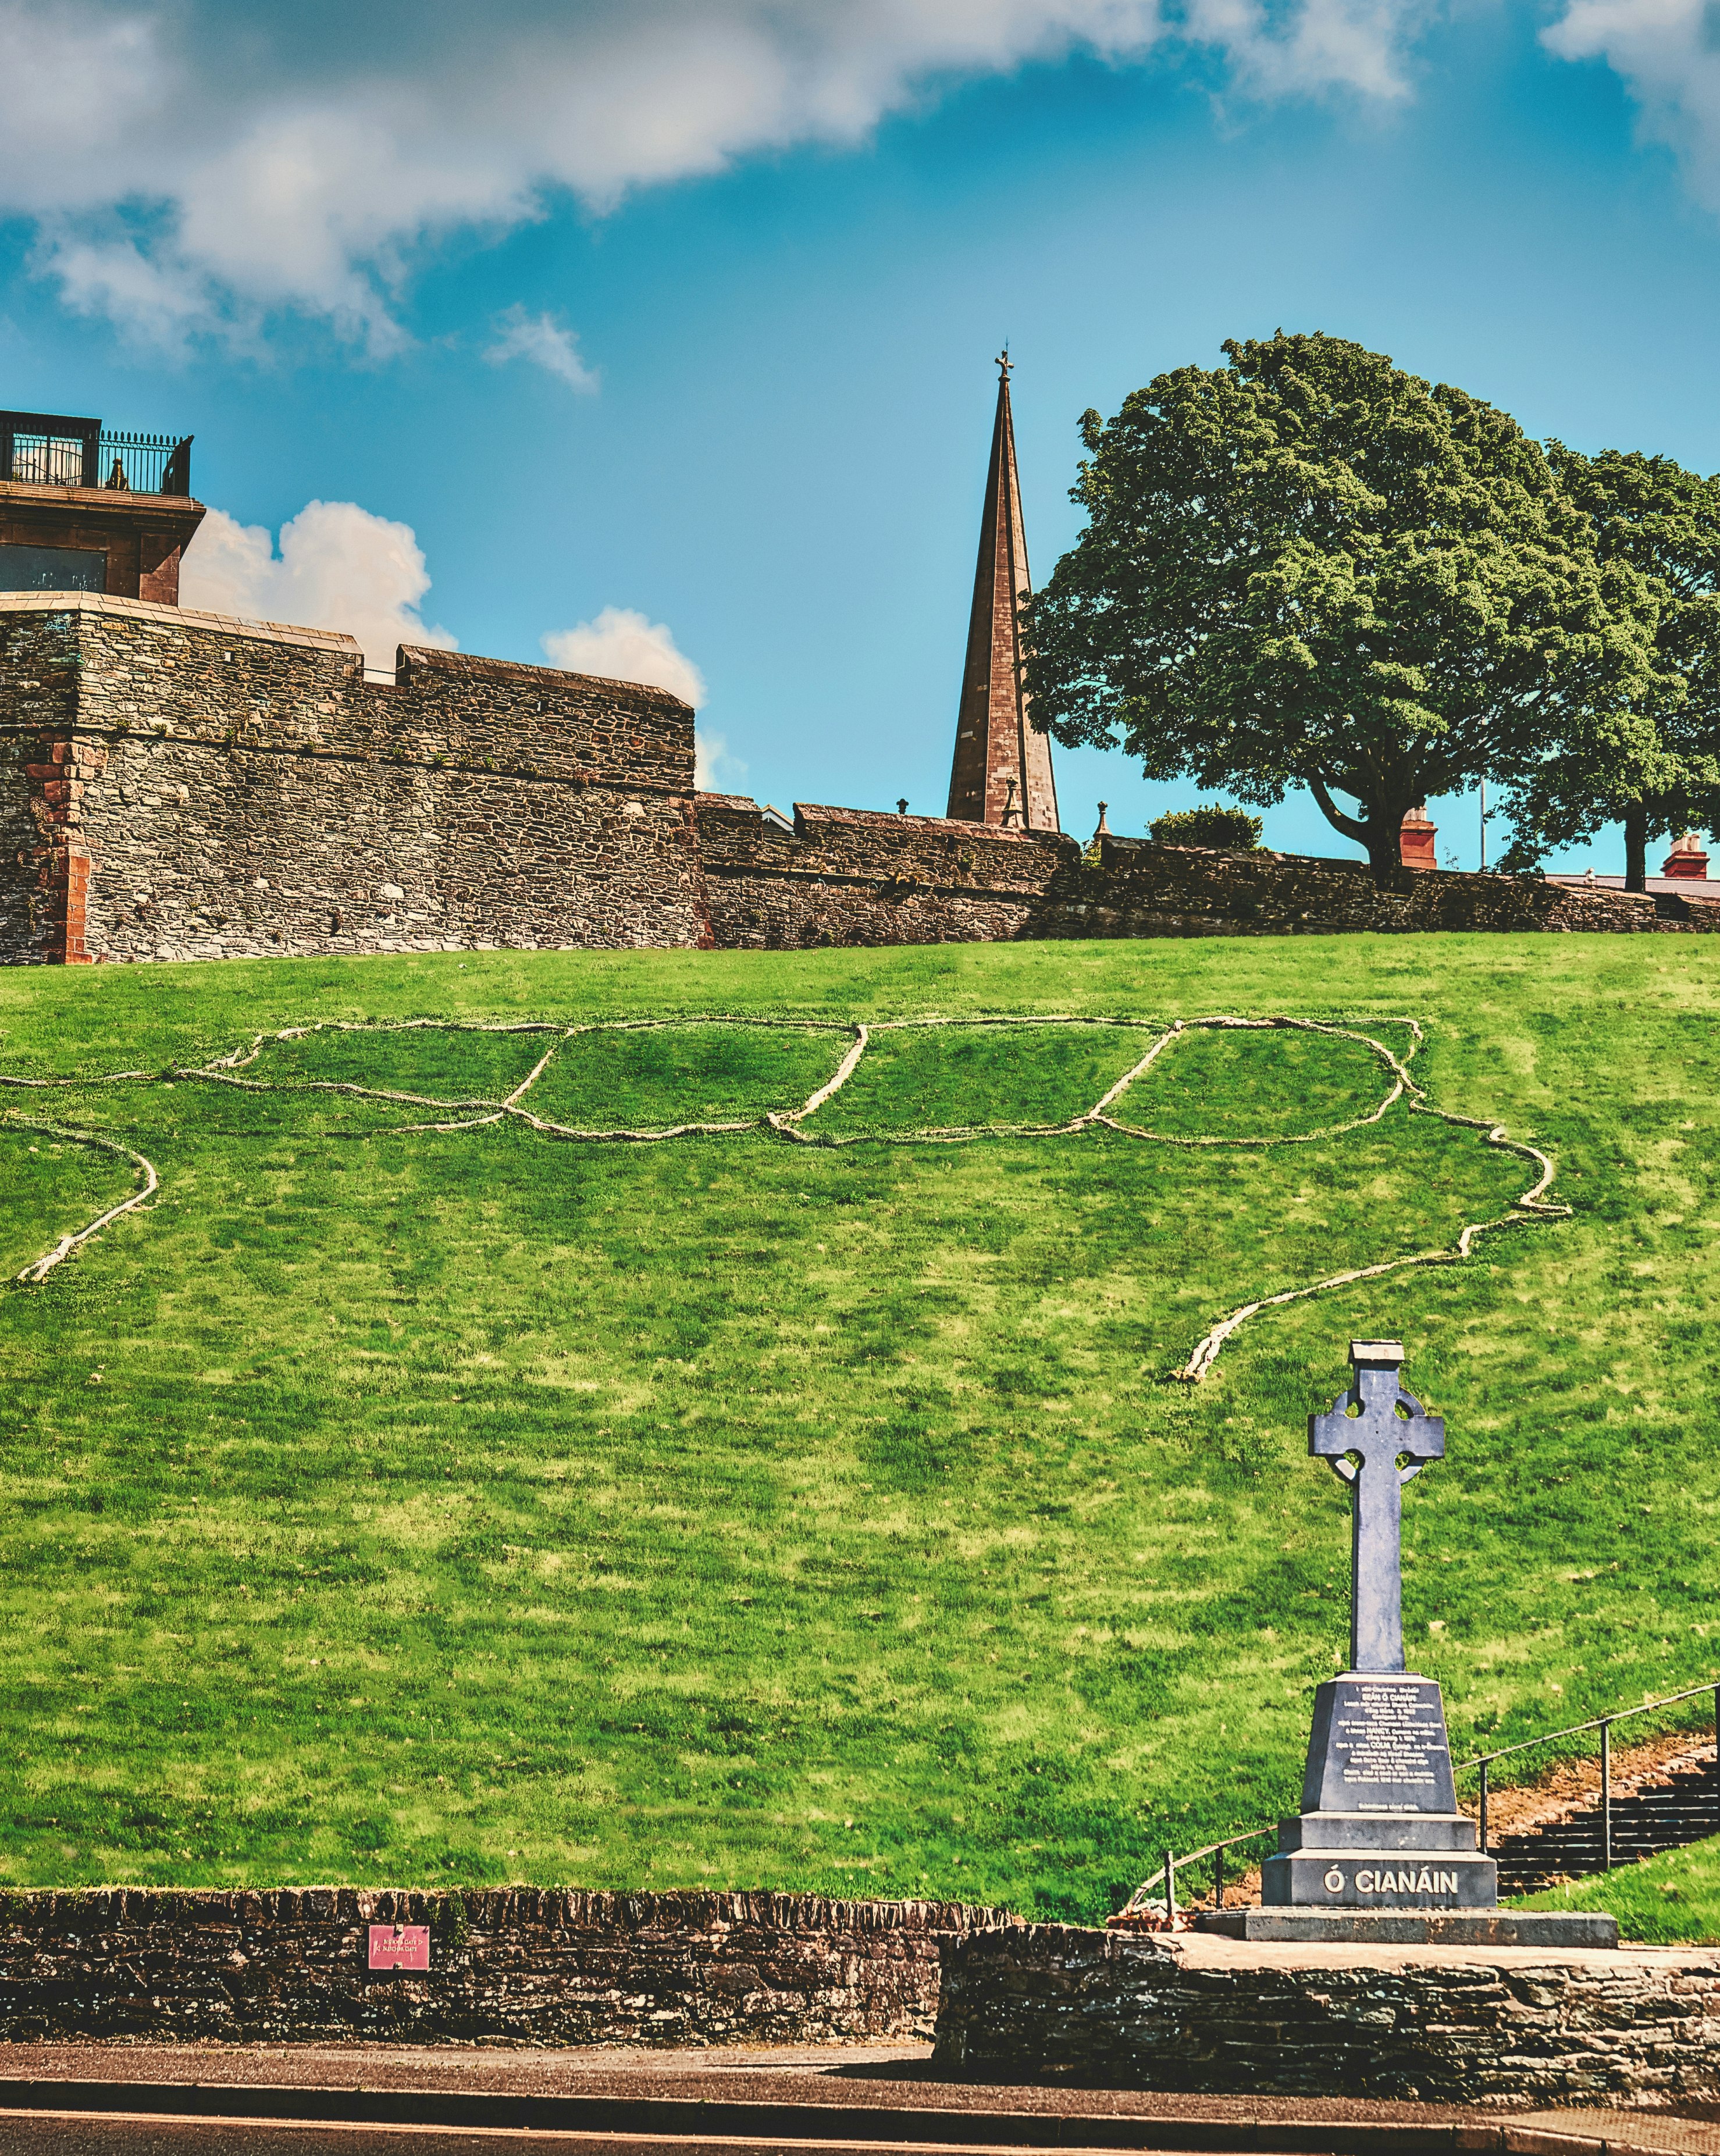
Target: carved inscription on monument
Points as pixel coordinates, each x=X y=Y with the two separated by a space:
x=1389 y=1740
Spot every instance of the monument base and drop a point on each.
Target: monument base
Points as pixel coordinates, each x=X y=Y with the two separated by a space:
x=1370 y=1875
x=1414 y=1927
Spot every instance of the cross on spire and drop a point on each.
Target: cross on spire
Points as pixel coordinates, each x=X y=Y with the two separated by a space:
x=1001 y=771
x=1377 y=1437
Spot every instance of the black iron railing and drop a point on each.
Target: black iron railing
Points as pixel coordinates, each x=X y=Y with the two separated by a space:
x=1604 y=1723
x=40 y=449
x=1164 y=1880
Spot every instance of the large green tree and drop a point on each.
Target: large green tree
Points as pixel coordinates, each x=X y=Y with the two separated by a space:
x=1309 y=567
x=1664 y=523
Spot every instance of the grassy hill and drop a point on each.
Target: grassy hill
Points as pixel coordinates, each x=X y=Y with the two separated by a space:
x=436 y=1507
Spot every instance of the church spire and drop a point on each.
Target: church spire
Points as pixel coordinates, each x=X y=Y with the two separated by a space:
x=1002 y=770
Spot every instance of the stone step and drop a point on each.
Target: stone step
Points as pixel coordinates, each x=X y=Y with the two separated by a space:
x=1682 y=1808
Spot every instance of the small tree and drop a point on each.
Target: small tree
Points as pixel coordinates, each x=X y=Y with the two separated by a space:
x=1664 y=523
x=1232 y=830
x=1311 y=568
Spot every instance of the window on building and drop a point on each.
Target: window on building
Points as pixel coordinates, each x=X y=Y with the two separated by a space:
x=52 y=569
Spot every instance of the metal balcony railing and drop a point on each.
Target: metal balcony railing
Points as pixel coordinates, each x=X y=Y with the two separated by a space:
x=41 y=448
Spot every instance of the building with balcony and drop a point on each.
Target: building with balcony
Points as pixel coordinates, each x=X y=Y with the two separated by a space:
x=86 y=509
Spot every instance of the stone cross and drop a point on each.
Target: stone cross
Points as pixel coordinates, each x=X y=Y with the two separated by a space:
x=1376 y=1451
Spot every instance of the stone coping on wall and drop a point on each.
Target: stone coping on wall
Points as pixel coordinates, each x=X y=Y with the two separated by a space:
x=421 y=658
x=148 y=610
x=469 y=666
x=809 y=815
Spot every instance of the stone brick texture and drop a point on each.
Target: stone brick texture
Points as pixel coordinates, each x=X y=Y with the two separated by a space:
x=238 y=789
x=847 y=876
x=1491 y=2027
x=291 y=1965
x=180 y=785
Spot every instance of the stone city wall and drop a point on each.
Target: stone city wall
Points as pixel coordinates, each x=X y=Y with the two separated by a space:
x=1193 y=2014
x=853 y=876
x=180 y=785
x=291 y=1964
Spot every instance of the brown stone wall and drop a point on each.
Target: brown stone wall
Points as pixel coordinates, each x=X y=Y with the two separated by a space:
x=239 y=789
x=1447 y=2025
x=144 y=535
x=549 y=1968
x=178 y=785
x=852 y=876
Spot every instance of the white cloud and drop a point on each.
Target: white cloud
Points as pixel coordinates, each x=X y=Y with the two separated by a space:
x=715 y=771
x=1357 y=45
x=1668 y=56
x=196 y=162
x=624 y=645
x=338 y=567
x=541 y=339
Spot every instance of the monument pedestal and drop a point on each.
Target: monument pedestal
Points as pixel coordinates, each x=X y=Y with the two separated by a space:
x=1379 y=1852
x=1380 y=1826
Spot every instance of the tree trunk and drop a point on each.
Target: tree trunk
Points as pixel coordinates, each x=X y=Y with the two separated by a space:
x=1378 y=829
x=1636 y=846
x=1384 y=842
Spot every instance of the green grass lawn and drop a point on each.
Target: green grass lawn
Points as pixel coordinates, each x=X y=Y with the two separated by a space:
x=455 y=1508
x=1670 y=1900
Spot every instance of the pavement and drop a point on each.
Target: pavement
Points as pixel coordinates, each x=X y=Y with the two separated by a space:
x=378 y=2100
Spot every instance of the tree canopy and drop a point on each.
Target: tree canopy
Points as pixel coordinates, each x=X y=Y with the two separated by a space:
x=1664 y=523
x=1308 y=567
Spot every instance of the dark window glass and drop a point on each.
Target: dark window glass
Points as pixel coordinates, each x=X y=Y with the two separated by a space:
x=52 y=569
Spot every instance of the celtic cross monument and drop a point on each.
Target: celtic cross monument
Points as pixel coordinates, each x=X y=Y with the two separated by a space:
x=1380 y=1826
x=1379 y=1852
x=1375 y=1439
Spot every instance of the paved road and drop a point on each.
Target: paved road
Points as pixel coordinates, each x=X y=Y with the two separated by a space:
x=377 y=2100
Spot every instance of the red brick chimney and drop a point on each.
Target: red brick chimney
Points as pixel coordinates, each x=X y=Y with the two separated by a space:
x=1687 y=860
x=1415 y=842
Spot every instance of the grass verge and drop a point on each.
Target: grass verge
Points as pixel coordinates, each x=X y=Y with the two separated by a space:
x=470 y=1506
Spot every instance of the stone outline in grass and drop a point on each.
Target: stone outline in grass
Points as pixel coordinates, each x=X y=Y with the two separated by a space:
x=39 y=1268
x=1533 y=1205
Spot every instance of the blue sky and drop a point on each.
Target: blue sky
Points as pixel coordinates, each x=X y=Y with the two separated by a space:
x=688 y=310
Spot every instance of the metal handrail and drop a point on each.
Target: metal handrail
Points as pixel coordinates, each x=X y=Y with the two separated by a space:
x=1576 y=1728
x=1167 y=1873
x=1604 y=1723
x=1166 y=1876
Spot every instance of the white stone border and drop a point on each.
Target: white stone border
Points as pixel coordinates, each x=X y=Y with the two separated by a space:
x=39 y=1268
x=1533 y=1205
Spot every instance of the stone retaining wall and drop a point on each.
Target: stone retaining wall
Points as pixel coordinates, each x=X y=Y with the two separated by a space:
x=547 y=1968
x=1196 y=2015
x=847 y=876
x=180 y=785
x=183 y=785
x=853 y=876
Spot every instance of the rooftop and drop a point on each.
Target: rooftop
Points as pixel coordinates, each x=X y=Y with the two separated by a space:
x=46 y=449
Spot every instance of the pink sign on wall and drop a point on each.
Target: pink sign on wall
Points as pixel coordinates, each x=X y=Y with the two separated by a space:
x=400 y=1945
